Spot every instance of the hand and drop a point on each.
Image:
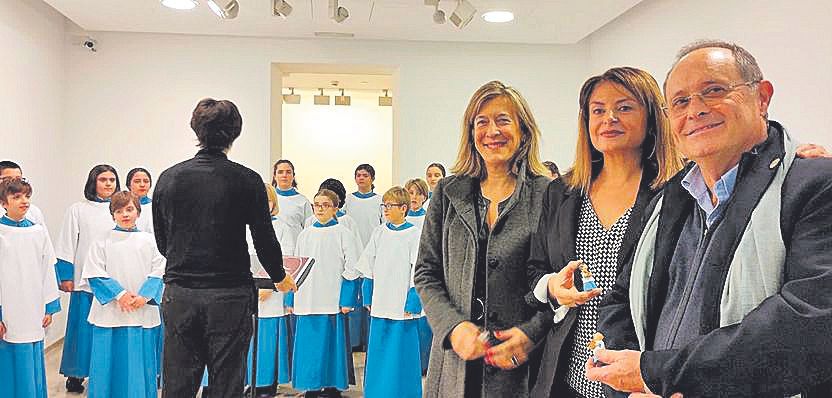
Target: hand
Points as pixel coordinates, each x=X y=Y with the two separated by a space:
x=465 y=341
x=287 y=284
x=370 y=308
x=515 y=344
x=139 y=302
x=562 y=287
x=67 y=286
x=2 y=330
x=126 y=302
x=620 y=370
x=345 y=310
x=47 y=320
x=264 y=294
x=290 y=310
x=811 y=151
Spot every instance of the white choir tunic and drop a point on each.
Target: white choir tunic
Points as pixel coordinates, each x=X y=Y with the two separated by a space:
x=145 y=221
x=343 y=218
x=34 y=214
x=124 y=344
x=417 y=217
x=294 y=208
x=366 y=210
x=27 y=293
x=320 y=359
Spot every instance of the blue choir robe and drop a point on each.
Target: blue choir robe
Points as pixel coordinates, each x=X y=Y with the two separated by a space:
x=124 y=353
x=294 y=209
x=85 y=222
x=393 y=366
x=320 y=346
x=417 y=218
x=27 y=293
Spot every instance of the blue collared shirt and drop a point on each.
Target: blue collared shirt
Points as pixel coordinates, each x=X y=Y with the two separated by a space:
x=694 y=183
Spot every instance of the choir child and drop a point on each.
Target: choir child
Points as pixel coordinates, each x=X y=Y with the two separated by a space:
x=321 y=303
x=434 y=173
x=393 y=355
x=9 y=169
x=417 y=189
x=124 y=271
x=363 y=205
x=139 y=183
x=28 y=294
x=84 y=223
x=294 y=207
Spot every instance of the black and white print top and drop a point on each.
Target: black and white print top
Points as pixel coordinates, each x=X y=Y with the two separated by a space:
x=598 y=248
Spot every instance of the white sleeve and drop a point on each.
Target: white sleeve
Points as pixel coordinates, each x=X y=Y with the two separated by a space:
x=159 y=262
x=67 y=243
x=414 y=254
x=541 y=293
x=307 y=210
x=368 y=256
x=96 y=265
x=352 y=252
x=48 y=260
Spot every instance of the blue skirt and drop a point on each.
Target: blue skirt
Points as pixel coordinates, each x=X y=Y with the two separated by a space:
x=425 y=341
x=320 y=353
x=124 y=362
x=359 y=322
x=393 y=368
x=272 y=352
x=22 y=372
x=75 y=361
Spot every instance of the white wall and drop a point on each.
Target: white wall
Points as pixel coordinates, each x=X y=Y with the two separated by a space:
x=31 y=76
x=329 y=141
x=789 y=39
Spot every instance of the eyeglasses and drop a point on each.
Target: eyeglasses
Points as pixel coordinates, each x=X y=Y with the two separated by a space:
x=388 y=206
x=710 y=96
x=321 y=206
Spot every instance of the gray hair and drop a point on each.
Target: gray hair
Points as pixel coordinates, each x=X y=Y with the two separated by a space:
x=746 y=63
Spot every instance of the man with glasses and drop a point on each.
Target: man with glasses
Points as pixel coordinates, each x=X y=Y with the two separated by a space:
x=728 y=292
x=9 y=170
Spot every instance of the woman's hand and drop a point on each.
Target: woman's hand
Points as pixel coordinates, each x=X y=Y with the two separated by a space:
x=561 y=287
x=512 y=352
x=465 y=341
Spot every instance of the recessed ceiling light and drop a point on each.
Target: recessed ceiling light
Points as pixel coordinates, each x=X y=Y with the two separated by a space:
x=179 y=4
x=498 y=16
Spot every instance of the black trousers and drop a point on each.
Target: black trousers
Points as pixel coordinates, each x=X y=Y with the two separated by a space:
x=206 y=327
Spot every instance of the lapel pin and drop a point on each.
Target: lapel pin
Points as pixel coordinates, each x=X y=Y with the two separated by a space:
x=774 y=163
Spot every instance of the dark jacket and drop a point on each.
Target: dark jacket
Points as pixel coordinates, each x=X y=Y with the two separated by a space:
x=201 y=208
x=554 y=246
x=444 y=278
x=782 y=347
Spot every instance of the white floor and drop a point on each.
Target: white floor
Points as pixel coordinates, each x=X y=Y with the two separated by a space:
x=57 y=390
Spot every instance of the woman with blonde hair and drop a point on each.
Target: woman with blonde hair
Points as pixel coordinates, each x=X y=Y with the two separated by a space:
x=470 y=273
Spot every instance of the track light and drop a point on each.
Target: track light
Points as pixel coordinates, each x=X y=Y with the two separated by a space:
x=321 y=99
x=291 y=98
x=337 y=13
x=225 y=9
x=281 y=8
x=342 y=99
x=385 y=100
x=179 y=4
x=438 y=15
x=463 y=14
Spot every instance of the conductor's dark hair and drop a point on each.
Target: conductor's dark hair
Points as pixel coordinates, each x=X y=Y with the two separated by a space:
x=89 y=189
x=337 y=187
x=216 y=123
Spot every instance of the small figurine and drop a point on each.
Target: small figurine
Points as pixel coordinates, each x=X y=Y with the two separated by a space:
x=589 y=280
x=595 y=345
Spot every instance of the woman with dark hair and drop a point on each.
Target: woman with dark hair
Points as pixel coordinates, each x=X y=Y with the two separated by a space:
x=295 y=208
x=434 y=173
x=625 y=154
x=139 y=183
x=470 y=273
x=84 y=223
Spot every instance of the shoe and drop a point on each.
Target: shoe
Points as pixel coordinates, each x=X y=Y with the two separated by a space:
x=332 y=392
x=75 y=384
x=266 y=392
x=312 y=394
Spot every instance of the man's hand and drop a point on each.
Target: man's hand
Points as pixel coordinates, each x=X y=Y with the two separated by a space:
x=286 y=285
x=67 y=286
x=515 y=344
x=561 y=287
x=47 y=320
x=465 y=341
x=622 y=371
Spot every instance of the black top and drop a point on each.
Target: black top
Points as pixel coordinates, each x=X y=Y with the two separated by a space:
x=200 y=211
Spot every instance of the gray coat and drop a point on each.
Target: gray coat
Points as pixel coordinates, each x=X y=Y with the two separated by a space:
x=444 y=279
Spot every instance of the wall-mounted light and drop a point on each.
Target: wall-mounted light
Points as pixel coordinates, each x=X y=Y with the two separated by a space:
x=291 y=98
x=321 y=99
x=385 y=100
x=224 y=9
x=281 y=8
x=342 y=99
x=463 y=14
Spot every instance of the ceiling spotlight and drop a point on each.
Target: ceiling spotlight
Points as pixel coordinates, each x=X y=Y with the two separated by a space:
x=463 y=14
x=179 y=4
x=225 y=9
x=438 y=15
x=291 y=98
x=337 y=13
x=342 y=99
x=385 y=100
x=321 y=99
x=498 y=16
x=281 y=8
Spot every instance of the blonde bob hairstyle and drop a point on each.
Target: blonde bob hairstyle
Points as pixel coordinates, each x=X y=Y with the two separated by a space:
x=659 y=147
x=271 y=194
x=469 y=162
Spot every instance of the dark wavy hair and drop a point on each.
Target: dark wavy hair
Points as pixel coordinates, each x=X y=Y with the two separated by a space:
x=133 y=172
x=217 y=123
x=89 y=188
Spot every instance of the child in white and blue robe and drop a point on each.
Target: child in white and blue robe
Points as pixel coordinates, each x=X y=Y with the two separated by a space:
x=27 y=293
x=365 y=209
x=320 y=349
x=417 y=218
x=34 y=215
x=294 y=209
x=393 y=355
x=124 y=352
x=85 y=222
